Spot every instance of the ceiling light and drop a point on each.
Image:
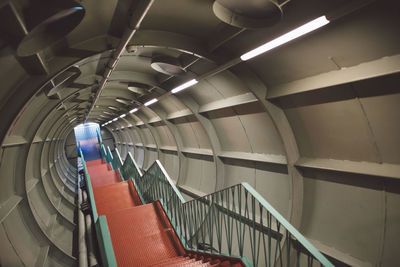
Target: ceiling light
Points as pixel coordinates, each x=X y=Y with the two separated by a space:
x=123 y=116
x=115 y=119
x=304 y=29
x=148 y=103
x=133 y=110
x=184 y=86
x=73 y=119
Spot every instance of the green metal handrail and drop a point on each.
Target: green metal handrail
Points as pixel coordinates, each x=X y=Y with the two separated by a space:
x=105 y=244
x=117 y=162
x=102 y=231
x=236 y=221
x=129 y=168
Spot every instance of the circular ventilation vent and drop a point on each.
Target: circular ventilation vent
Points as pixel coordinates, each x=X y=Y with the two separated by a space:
x=248 y=13
x=167 y=65
x=60 y=19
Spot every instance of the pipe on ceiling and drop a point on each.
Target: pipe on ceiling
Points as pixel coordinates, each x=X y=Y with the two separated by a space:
x=141 y=9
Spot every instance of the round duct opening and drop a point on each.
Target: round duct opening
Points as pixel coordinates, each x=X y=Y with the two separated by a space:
x=249 y=13
x=167 y=65
x=57 y=23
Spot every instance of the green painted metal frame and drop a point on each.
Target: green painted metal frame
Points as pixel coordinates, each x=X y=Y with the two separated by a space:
x=129 y=168
x=102 y=231
x=238 y=211
x=105 y=244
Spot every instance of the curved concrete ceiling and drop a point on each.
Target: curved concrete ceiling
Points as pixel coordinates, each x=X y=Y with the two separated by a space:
x=313 y=125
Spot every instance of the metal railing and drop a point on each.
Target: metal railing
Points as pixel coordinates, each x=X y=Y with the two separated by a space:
x=236 y=221
x=102 y=231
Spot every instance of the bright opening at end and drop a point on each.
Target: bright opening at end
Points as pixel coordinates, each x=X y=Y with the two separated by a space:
x=86 y=138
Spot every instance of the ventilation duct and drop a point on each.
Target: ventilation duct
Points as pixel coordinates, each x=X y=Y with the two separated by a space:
x=138 y=88
x=48 y=22
x=123 y=101
x=167 y=65
x=249 y=13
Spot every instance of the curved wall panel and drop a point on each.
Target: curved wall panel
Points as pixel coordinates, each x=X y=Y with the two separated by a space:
x=312 y=125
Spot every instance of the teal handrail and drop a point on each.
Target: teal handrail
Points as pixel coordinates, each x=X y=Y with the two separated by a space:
x=117 y=162
x=110 y=158
x=102 y=231
x=129 y=168
x=105 y=244
x=236 y=221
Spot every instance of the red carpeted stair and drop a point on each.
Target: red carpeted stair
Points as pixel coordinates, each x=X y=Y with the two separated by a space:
x=114 y=197
x=101 y=173
x=141 y=235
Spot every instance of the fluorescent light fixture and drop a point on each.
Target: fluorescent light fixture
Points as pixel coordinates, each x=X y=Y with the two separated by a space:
x=184 y=86
x=304 y=29
x=115 y=119
x=123 y=116
x=73 y=119
x=148 y=103
x=133 y=110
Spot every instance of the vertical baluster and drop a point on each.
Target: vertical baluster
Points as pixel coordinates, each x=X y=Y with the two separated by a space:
x=190 y=216
x=197 y=222
x=184 y=222
x=238 y=209
x=229 y=234
x=278 y=244
x=263 y=235
x=252 y=231
x=218 y=220
x=200 y=232
x=244 y=215
x=311 y=260
x=224 y=216
x=180 y=217
x=288 y=247
x=211 y=220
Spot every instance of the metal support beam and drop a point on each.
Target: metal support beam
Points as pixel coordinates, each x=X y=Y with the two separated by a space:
x=367 y=70
x=137 y=17
x=347 y=166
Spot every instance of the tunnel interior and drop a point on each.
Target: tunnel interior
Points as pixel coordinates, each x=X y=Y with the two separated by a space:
x=312 y=125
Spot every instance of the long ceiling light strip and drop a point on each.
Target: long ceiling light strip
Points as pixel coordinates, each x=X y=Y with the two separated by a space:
x=148 y=103
x=184 y=86
x=287 y=37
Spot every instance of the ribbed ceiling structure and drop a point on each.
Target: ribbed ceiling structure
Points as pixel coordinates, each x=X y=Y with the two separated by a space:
x=313 y=125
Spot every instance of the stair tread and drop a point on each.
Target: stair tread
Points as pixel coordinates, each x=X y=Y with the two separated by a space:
x=114 y=197
x=141 y=230
x=174 y=260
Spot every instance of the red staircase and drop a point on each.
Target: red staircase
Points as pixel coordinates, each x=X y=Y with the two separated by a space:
x=141 y=235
